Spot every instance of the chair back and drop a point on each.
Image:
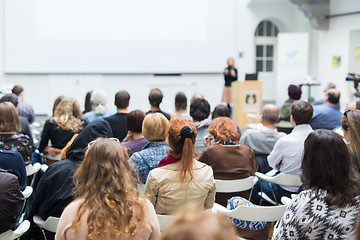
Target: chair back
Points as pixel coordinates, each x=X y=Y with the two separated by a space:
x=32 y=169
x=19 y=231
x=164 y=220
x=254 y=213
x=281 y=179
x=50 y=224
x=237 y=185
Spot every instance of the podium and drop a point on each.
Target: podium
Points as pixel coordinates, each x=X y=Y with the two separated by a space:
x=247 y=98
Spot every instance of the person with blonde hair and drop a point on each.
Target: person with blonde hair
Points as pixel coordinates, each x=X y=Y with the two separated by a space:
x=107 y=206
x=192 y=222
x=350 y=124
x=60 y=128
x=228 y=159
x=98 y=101
x=179 y=178
x=9 y=139
x=154 y=129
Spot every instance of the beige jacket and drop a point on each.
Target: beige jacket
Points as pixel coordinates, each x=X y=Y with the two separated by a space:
x=166 y=192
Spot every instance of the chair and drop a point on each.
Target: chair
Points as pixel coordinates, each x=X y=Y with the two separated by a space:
x=237 y=185
x=248 y=213
x=281 y=179
x=164 y=220
x=28 y=191
x=18 y=232
x=32 y=169
x=50 y=224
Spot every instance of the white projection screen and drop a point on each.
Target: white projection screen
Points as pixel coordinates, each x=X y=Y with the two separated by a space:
x=118 y=36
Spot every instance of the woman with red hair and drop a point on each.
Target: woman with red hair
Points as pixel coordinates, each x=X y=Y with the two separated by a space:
x=179 y=178
x=228 y=159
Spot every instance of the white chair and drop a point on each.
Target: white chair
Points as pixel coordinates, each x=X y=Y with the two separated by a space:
x=19 y=231
x=237 y=185
x=164 y=220
x=32 y=169
x=286 y=200
x=27 y=192
x=50 y=224
x=280 y=179
x=254 y=121
x=248 y=213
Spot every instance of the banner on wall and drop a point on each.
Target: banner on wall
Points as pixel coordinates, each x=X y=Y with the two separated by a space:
x=293 y=54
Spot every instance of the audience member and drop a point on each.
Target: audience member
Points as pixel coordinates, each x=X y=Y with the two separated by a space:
x=155 y=99
x=58 y=99
x=228 y=159
x=59 y=129
x=55 y=189
x=24 y=109
x=87 y=103
x=11 y=201
x=98 y=102
x=135 y=140
x=9 y=139
x=108 y=205
x=328 y=87
x=294 y=93
x=13 y=162
x=350 y=124
x=195 y=96
x=262 y=140
x=25 y=126
x=179 y=178
x=118 y=120
x=329 y=207
x=154 y=129
x=222 y=110
x=326 y=115
x=287 y=153
x=200 y=112
x=180 y=107
x=194 y=223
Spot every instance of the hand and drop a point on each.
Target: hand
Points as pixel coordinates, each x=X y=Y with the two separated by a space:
x=226 y=72
x=207 y=140
x=52 y=151
x=232 y=72
x=129 y=137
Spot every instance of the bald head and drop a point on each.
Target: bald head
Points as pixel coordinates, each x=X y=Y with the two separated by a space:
x=332 y=96
x=270 y=113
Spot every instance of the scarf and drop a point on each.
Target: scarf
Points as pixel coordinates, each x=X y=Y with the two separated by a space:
x=167 y=160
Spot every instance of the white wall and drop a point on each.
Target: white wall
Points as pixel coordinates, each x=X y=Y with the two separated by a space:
x=41 y=90
x=335 y=42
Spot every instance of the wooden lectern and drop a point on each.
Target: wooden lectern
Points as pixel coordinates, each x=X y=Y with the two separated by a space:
x=247 y=98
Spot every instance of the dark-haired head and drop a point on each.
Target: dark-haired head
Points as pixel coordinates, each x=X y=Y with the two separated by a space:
x=182 y=137
x=88 y=104
x=221 y=110
x=327 y=165
x=301 y=112
x=180 y=101
x=294 y=92
x=122 y=99
x=199 y=109
x=10 y=97
x=17 y=90
x=350 y=123
x=134 y=121
x=332 y=96
x=155 y=97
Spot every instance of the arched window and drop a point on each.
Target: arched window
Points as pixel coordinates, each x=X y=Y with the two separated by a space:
x=265 y=40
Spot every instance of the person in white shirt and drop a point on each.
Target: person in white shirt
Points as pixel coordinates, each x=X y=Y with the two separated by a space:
x=262 y=140
x=287 y=153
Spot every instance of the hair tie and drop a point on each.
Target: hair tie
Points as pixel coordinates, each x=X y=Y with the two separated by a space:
x=185 y=132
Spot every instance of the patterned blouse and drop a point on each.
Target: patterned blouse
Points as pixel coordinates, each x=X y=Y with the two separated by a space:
x=17 y=142
x=308 y=217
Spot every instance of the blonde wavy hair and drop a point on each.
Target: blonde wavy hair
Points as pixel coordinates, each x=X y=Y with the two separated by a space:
x=105 y=183
x=68 y=115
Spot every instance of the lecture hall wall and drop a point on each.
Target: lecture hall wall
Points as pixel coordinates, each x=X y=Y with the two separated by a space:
x=41 y=90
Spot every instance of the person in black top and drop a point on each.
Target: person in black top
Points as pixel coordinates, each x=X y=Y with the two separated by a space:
x=230 y=75
x=155 y=98
x=118 y=120
x=66 y=122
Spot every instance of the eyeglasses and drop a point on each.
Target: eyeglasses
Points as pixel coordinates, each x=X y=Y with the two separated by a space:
x=113 y=139
x=346 y=112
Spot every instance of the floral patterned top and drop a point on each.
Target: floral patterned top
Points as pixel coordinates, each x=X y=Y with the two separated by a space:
x=17 y=142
